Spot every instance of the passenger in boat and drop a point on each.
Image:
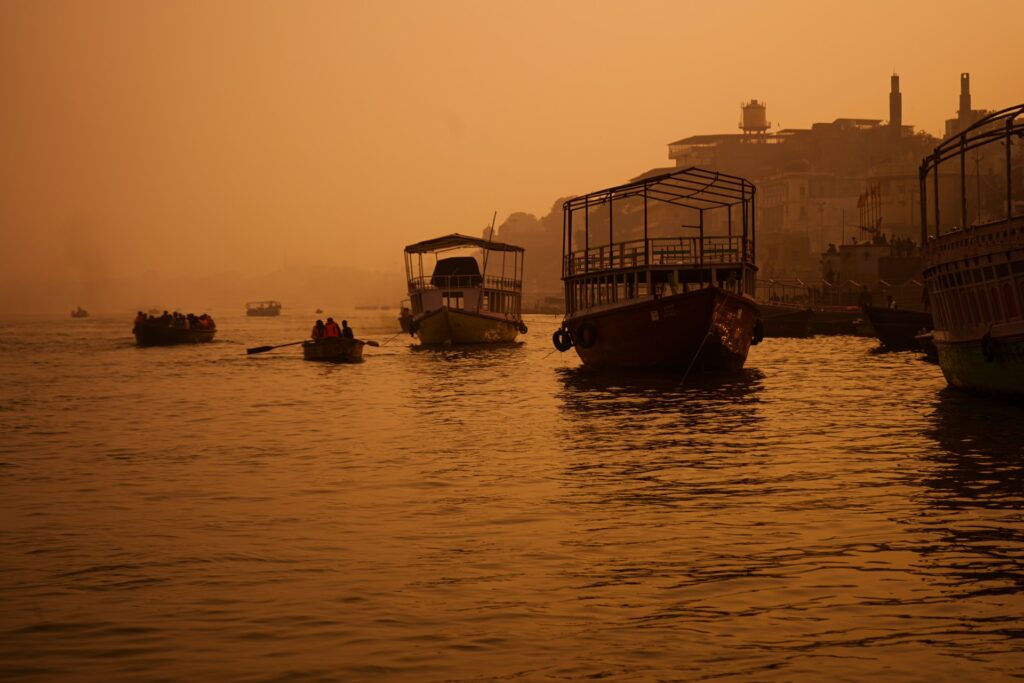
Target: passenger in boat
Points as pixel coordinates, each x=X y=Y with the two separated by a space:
x=318 y=331
x=140 y=319
x=331 y=329
x=346 y=331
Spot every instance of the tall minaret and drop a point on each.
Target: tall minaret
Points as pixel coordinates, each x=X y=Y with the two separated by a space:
x=896 y=107
x=965 y=99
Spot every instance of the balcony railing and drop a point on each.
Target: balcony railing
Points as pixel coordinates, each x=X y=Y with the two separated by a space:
x=454 y=282
x=693 y=252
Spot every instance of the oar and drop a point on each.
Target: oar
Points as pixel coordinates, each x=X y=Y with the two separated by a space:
x=370 y=342
x=263 y=349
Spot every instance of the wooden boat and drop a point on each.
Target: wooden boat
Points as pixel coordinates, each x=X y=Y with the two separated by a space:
x=466 y=299
x=263 y=308
x=836 y=320
x=680 y=302
x=158 y=333
x=335 y=349
x=898 y=329
x=974 y=274
x=786 y=320
x=79 y=313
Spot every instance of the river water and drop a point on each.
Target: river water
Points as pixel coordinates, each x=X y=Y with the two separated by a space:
x=194 y=513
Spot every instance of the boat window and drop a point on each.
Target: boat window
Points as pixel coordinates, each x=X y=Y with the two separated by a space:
x=1002 y=270
x=1017 y=267
x=989 y=275
x=959 y=278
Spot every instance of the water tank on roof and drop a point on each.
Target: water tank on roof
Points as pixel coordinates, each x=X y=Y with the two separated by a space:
x=754 y=117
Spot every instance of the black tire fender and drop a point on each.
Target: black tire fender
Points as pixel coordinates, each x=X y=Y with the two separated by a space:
x=562 y=339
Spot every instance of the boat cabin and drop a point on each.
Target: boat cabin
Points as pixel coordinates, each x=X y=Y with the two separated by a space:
x=465 y=273
x=662 y=234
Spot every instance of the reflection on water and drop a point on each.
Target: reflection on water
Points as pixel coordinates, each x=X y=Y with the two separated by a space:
x=975 y=493
x=193 y=513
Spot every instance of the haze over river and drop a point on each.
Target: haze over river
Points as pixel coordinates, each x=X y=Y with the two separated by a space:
x=193 y=513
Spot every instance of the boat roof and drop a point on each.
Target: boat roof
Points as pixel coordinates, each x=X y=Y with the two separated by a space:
x=457 y=240
x=692 y=187
x=264 y=303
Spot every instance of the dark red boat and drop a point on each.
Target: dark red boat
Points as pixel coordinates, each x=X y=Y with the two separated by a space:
x=677 y=293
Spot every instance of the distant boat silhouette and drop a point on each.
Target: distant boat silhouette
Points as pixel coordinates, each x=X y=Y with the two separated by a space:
x=263 y=308
x=79 y=313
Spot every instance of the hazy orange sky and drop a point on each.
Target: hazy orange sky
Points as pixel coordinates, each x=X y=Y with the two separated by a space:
x=193 y=136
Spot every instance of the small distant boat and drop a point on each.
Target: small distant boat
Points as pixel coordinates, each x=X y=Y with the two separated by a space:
x=336 y=349
x=263 y=308
x=460 y=302
x=319 y=311
x=897 y=329
x=786 y=320
x=79 y=313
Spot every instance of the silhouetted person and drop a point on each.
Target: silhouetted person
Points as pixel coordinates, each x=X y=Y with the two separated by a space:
x=331 y=329
x=346 y=331
x=865 y=297
x=318 y=331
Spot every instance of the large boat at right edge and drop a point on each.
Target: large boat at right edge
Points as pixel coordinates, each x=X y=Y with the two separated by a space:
x=665 y=275
x=972 y=232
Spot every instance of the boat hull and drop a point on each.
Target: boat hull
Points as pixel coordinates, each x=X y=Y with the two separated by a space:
x=263 y=312
x=158 y=335
x=1001 y=373
x=898 y=330
x=454 y=326
x=708 y=330
x=334 y=349
x=843 y=320
x=786 y=321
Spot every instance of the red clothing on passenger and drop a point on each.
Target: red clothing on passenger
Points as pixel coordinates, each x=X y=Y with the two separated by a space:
x=332 y=330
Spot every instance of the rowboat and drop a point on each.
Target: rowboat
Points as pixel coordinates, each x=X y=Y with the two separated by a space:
x=160 y=334
x=335 y=349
